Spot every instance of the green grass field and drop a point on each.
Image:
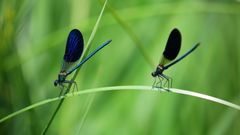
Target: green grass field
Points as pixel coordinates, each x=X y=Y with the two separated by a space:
x=33 y=37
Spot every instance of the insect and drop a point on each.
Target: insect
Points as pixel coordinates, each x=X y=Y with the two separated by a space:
x=170 y=53
x=73 y=52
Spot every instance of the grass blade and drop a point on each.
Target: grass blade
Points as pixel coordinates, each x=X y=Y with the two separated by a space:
x=125 y=88
x=132 y=35
x=85 y=53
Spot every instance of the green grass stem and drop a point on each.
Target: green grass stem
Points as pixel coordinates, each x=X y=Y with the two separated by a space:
x=125 y=88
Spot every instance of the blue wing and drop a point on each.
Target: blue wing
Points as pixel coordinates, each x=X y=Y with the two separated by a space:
x=74 y=47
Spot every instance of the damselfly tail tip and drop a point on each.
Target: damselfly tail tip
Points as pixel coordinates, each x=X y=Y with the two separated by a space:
x=197 y=45
x=110 y=40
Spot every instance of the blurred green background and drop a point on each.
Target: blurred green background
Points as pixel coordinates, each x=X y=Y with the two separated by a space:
x=32 y=41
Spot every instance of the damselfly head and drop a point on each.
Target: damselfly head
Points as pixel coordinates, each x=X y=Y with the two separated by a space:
x=56 y=83
x=158 y=71
x=61 y=78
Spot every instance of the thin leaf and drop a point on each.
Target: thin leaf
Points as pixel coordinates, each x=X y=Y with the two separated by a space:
x=132 y=35
x=125 y=88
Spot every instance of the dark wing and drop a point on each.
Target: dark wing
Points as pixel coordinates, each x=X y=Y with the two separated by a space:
x=173 y=45
x=74 y=47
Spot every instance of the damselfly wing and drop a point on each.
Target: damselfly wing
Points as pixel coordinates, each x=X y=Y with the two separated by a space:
x=73 y=50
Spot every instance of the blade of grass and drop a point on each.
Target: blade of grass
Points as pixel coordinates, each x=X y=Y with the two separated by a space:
x=75 y=74
x=89 y=104
x=206 y=97
x=225 y=121
x=132 y=35
x=125 y=88
x=85 y=53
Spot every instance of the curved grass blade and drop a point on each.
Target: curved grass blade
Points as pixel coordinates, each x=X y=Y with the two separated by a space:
x=125 y=88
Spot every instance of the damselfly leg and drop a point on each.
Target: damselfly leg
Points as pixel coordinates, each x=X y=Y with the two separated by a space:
x=157 y=82
x=74 y=87
x=154 y=82
x=63 y=86
x=168 y=82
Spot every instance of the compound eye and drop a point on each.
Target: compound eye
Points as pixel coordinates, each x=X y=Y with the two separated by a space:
x=55 y=82
x=154 y=74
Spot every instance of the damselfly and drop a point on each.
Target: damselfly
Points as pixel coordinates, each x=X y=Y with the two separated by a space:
x=73 y=52
x=170 y=53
